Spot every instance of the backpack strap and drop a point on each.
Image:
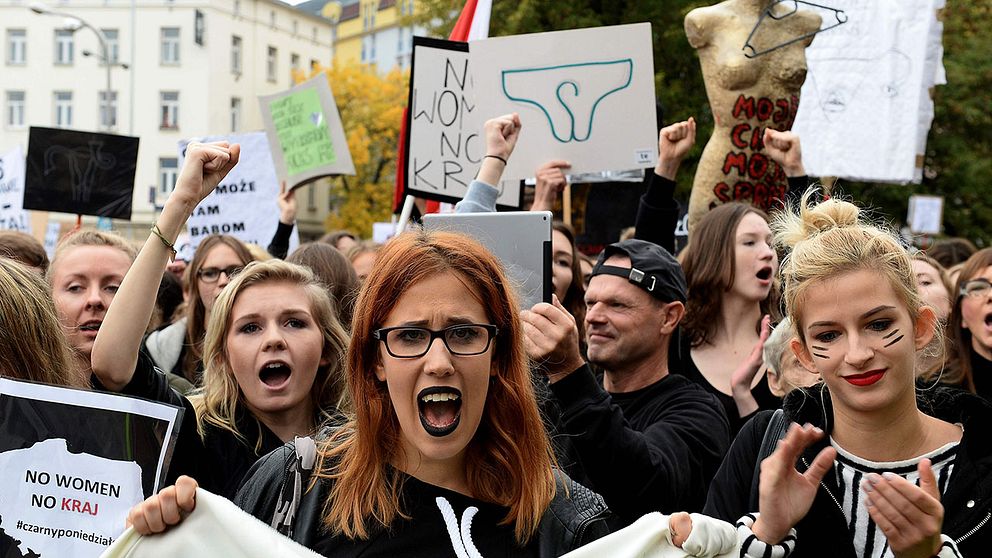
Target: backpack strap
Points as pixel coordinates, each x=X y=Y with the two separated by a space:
x=298 y=469
x=778 y=426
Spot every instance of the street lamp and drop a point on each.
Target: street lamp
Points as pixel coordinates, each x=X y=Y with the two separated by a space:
x=41 y=9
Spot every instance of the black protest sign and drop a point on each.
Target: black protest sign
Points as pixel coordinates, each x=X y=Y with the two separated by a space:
x=445 y=145
x=80 y=172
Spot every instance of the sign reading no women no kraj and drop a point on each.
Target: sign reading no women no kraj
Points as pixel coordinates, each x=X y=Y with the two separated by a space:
x=445 y=144
x=74 y=462
x=305 y=133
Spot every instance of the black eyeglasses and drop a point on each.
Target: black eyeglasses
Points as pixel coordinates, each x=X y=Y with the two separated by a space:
x=976 y=288
x=414 y=342
x=212 y=274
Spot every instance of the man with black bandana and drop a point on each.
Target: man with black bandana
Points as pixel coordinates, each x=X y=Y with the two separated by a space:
x=646 y=440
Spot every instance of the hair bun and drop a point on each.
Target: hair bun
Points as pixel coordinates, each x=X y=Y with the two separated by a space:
x=792 y=227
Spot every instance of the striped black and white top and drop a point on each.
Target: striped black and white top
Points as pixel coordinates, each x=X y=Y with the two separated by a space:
x=869 y=542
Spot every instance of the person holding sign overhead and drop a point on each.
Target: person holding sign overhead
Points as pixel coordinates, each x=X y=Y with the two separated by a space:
x=272 y=352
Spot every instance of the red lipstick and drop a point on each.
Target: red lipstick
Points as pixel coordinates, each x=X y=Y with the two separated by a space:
x=866 y=379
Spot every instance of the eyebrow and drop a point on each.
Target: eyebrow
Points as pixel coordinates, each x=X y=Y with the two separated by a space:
x=866 y=315
x=451 y=320
x=284 y=312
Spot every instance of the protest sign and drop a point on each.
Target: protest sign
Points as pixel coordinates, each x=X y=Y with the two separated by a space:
x=80 y=172
x=74 y=462
x=585 y=96
x=873 y=74
x=305 y=133
x=243 y=205
x=926 y=213
x=52 y=232
x=12 y=214
x=446 y=144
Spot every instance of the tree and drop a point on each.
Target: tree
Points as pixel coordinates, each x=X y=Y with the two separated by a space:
x=958 y=163
x=371 y=109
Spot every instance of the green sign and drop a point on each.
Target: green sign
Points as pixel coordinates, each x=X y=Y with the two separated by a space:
x=302 y=130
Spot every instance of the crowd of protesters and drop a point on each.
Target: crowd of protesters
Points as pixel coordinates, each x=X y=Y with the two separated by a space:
x=361 y=398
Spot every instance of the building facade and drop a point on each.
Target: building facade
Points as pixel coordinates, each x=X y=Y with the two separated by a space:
x=193 y=68
x=370 y=32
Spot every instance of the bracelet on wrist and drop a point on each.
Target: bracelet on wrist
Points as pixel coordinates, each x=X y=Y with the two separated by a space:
x=497 y=157
x=170 y=245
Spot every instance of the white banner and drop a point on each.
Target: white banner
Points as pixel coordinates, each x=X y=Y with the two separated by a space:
x=866 y=107
x=245 y=204
x=74 y=462
x=12 y=214
x=585 y=96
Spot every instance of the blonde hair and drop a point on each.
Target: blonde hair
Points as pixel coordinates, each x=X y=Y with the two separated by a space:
x=218 y=401
x=91 y=238
x=776 y=345
x=32 y=344
x=831 y=239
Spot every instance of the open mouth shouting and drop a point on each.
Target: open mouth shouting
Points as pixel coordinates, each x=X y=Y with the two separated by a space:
x=764 y=274
x=440 y=409
x=275 y=374
x=90 y=327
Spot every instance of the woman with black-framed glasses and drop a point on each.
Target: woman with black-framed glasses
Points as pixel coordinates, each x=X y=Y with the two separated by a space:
x=970 y=327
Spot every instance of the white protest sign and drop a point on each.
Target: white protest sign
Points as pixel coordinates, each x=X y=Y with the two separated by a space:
x=585 y=96
x=12 y=214
x=74 y=462
x=381 y=232
x=866 y=107
x=52 y=232
x=925 y=214
x=305 y=133
x=445 y=142
x=243 y=205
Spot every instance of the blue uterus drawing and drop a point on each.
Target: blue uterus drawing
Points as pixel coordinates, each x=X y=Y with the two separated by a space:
x=568 y=94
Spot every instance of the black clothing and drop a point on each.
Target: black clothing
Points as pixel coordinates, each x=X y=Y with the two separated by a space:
x=279 y=247
x=219 y=460
x=761 y=392
x=575 y=517
x=981 y=374
x=654 y=449
x=824 y=530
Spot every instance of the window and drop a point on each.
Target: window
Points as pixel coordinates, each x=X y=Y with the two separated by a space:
x=235 y=114
x=236 y=55
x=272 y=19
x=311 y=198
x=17 y=46
x=296 y=27
x=368 y=15
x=170 y=45
x=368 y=49
x=270 y=63
x=15 y=109
x=169 y=109
x=237 y=8
x=315 y=34
x=294 y=66
x=168 y=172
x=108 y=111
x=113 y=45
x=314 y=64
x=63 y=47
x=63 y=109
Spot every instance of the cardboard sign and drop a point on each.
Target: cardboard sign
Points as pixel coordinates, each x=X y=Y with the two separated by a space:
x=243 y=205
x=585 y=96
x=80 y=172
x=305 y=133
x=866 y=104
x=12 y=214
x=446 y=144
x=926 y=213
x=74 y=462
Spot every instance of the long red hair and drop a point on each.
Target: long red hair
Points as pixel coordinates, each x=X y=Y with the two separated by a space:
x=509 y=460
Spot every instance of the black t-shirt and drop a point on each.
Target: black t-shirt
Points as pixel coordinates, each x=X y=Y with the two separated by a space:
x=440 y=520
x=219 y=460
x=981 y=374
x=762 y=394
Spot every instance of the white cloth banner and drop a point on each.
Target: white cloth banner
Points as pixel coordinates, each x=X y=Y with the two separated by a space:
x=650 y=537
x=12 y=214
x=243 y=205
x=865 y=108
x=216 y=529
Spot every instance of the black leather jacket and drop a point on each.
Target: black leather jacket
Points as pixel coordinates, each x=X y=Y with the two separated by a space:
x=576 y=516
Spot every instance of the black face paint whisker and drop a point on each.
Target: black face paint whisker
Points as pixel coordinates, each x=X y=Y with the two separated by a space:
x=821 y=356
x=818 y=348
x=894 y=341
x=890 y=334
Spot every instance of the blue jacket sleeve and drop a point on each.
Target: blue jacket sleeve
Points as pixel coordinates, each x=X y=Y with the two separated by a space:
x=479 y=198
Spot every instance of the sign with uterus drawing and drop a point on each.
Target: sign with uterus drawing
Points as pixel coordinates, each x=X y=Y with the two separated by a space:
x=80 y=172
x=585 y=96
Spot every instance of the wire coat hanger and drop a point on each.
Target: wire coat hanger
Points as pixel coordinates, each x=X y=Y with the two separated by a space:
x=749 y=50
